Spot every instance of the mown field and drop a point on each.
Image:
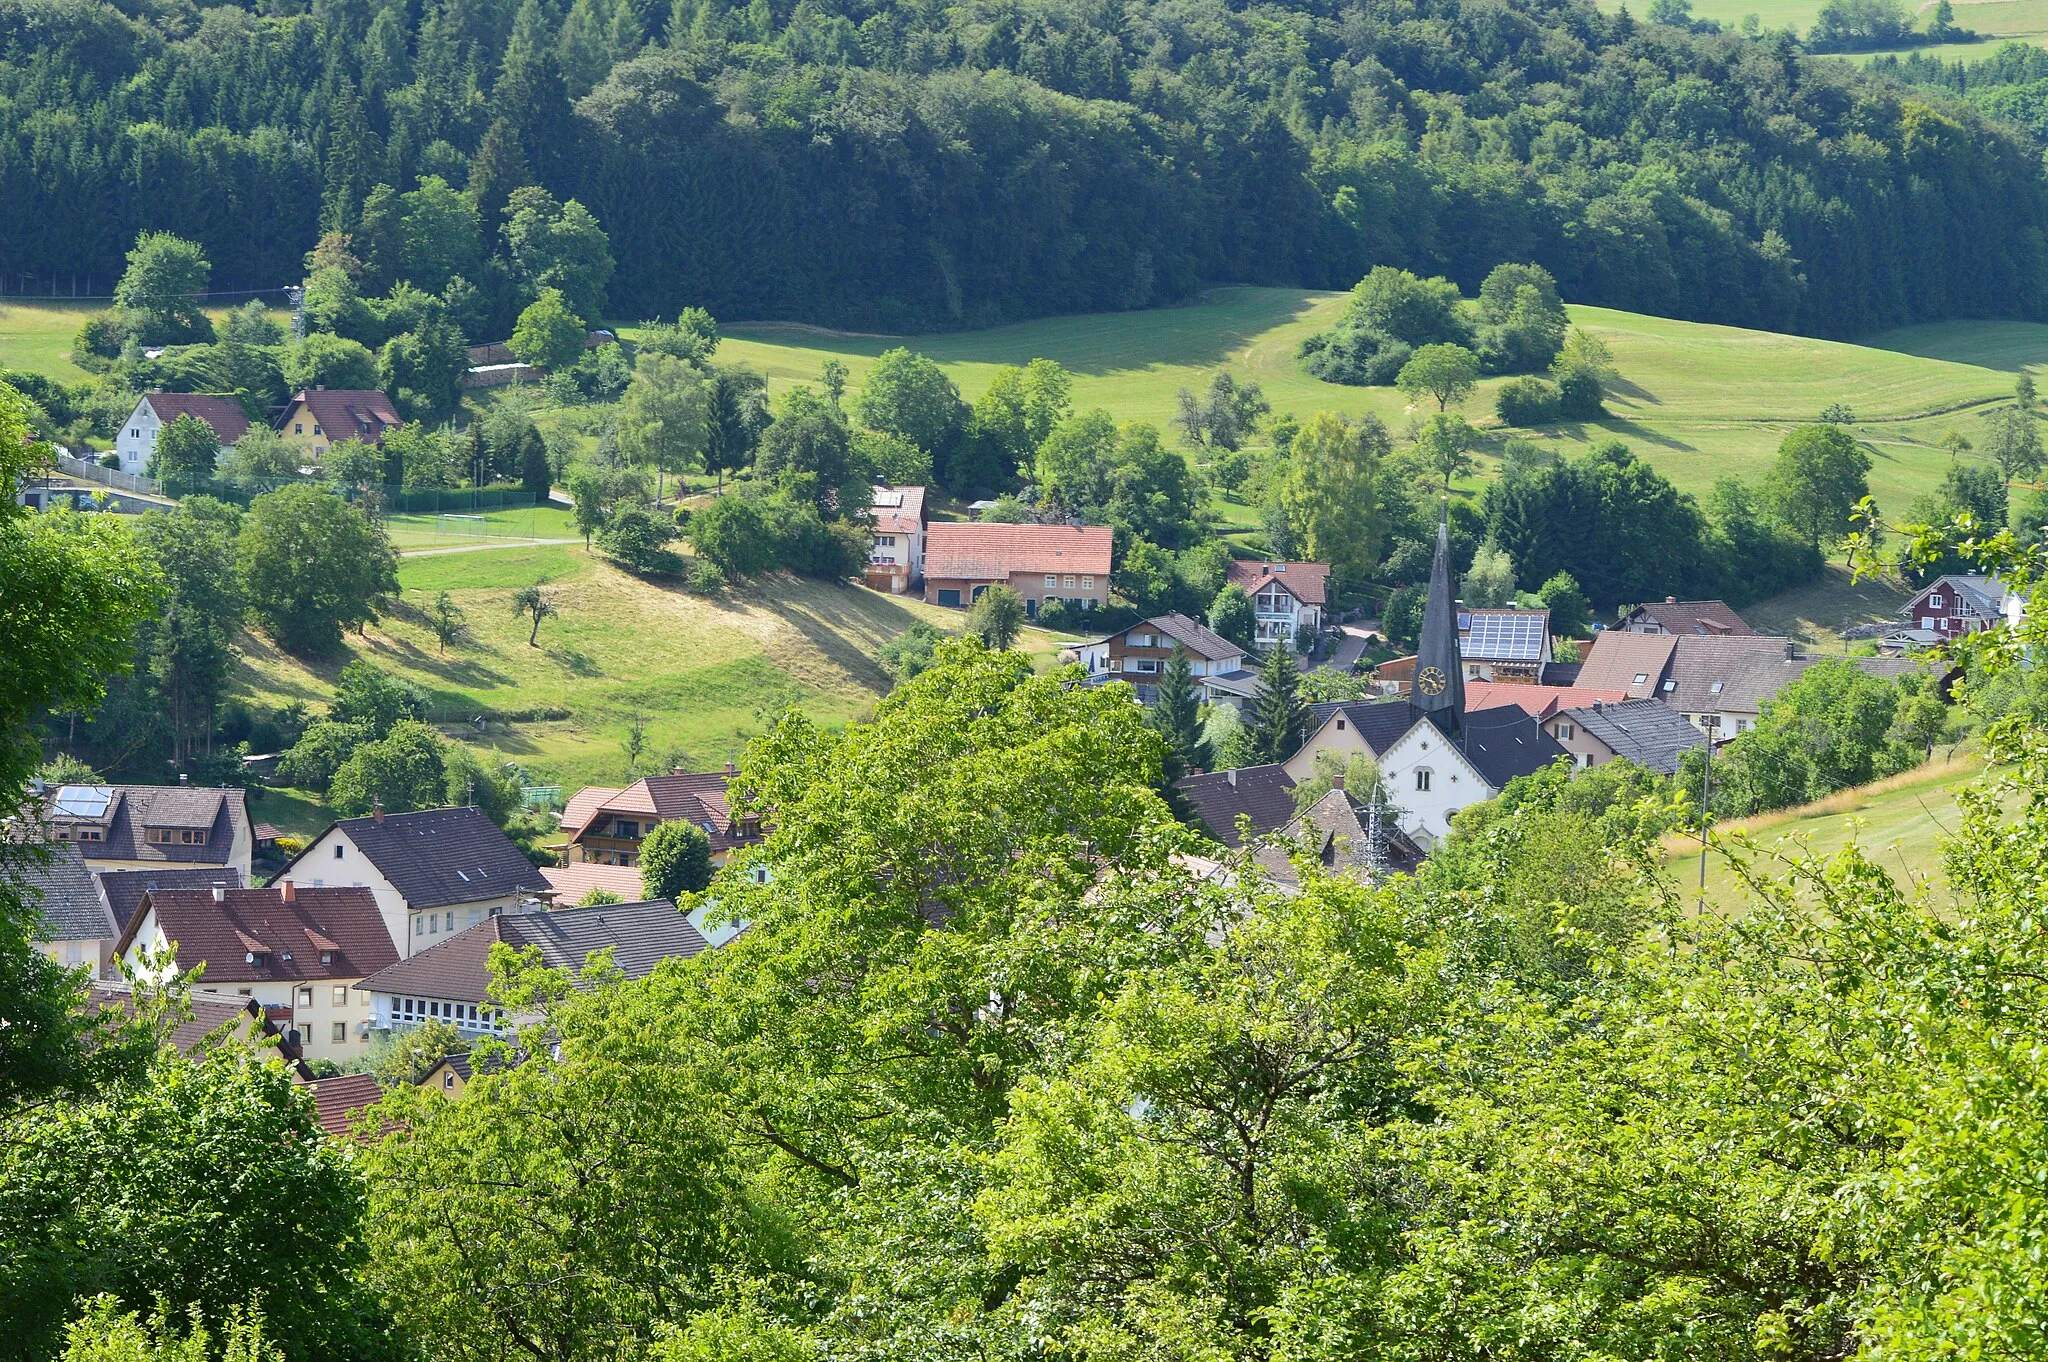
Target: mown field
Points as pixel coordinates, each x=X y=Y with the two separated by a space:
x=1898 y=822
x=703 y=674
x=1699 y=402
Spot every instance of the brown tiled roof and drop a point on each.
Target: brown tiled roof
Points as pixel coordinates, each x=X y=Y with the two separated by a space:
x=338 y=1099
x=1616 y=659
x=640 y=935
x=1308 y=583
x=1198 y=638
x=958 y=550
x=585 y=802
x=219 y=410
x=1705 y=664
x=1265 y=794
x=905 y=516
x=1674 y=616
x=123 y=889
x=348 y=413
x=134 y=809
x=573 y=881
x=223 y=934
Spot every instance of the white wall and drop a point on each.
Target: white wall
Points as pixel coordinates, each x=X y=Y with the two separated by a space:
x=136 y=441
x=1454 y=783
x=411 y=931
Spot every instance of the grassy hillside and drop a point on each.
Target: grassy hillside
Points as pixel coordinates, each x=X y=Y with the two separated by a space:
x=1898 y=822
x=701 y=673
x=1701 y=402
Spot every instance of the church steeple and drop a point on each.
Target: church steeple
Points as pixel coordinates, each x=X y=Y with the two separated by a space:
x=1439 y=667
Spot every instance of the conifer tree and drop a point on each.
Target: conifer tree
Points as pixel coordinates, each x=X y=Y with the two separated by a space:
x=1279 y=715
x=1177 y=717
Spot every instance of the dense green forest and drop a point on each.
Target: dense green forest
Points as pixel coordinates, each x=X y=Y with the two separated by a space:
x=892 y=164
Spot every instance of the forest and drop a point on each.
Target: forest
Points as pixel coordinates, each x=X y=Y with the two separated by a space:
x=886 y=165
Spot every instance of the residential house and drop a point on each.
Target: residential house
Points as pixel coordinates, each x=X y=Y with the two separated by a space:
x=1350 y=728
x=136 y=442
x=319 y=417
x=1673 y=616
x=1949 y=607
x=1261 y=796
x=1041 y=563
x=1722 y=689
x=451 y=1075
x=77 y=930
x=450 y=982
x=140 y=827
x=1349 y=840
x=1638 y=665
x=302 y=952
x=207 y=1014
x=1288 y=599
x=1647 y=732
x=1139 y=654
x=433 y=872
x=611 y=829
x=1504 y=645
x=896 y=545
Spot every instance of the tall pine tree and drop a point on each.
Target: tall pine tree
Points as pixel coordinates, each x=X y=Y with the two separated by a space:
x=1279 y=715
x=1177 y=717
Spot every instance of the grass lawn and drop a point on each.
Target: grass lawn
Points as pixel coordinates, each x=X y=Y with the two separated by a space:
x=1817 y=612
x=703 y=674
x=1898 y=822
x=427 y=530
x=38 y=336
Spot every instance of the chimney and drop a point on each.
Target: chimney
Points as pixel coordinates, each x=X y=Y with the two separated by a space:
x=319 y=387
x=290 y=891
x=184 y=779
x=220 y=891
x=1231 y=775
x=376 y=811
x=731 y=769
x=1671 y=600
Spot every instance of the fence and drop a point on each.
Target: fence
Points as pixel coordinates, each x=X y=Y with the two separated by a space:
x=73 y=466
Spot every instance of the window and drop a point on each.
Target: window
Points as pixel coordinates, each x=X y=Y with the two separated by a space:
x=241 y=992
x=92 y=834
x=1070 y=581
x=317 y=430
x=1641 y=677
x=1934 y=601
x=1147 y=665
x=305 y=997
x=447 y=1080
x=1088 y=583
x=298 y=427
x=451 y=919
x=625 y=827
x=419 y=927
x=341 y=995
x=1422 y=774
x=341 y=1033
x=1585 y=759
x=1051 y=580
x=161 y=836
x=1566 y=730
x=887 y=541
x=1340 y=725
x=951 y=598
x=1714 y=689
x=193 y=837
x=979 y=592
x=337 y=853
x=74 y=952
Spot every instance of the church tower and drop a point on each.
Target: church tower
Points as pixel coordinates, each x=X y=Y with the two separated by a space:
x=1439 y=667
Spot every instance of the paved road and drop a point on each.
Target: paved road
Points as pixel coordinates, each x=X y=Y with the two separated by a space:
x=1349 y=647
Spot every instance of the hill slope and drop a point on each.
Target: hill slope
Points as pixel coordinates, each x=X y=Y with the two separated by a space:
x=701 y=673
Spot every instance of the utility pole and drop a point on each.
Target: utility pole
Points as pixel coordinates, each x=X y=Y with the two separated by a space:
x=1712 y=724
x=297 y=295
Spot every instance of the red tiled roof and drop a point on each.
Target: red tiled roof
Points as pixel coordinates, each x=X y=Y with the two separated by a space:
x=219 y=410
x=259 y=921
x=958 y=550
x=1537 y=701
x=905 y=516
x=1616 y=659
x=1674 y=616
x=692 y=797
x=348 y=413
x=573 y=881
x=585 y=802
x=1308 y=583
x=338 y=1099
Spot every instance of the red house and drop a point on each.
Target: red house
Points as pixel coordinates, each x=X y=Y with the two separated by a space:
x=1959 y=604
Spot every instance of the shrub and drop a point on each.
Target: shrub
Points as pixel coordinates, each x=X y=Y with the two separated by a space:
x=638 y=539
x=1527 y=402
x=1578 y=398
x=733 y=535
x=1355 y=356
x=705 y=577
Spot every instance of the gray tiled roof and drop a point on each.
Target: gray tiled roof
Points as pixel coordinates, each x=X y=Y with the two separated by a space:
x=123 y=889
x=1705 y=671
x=1674 y=616
x=436 y=857
x=61 y=888
x=131 y=810
x=1265 y=794
x=1647 y=732
x=640 y=936
x=1504 y=743
x=1616 y=659
x=1379 y=723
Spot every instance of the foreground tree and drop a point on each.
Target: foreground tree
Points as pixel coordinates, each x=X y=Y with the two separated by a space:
x=665 y=419
x=1445 y=374
x=997 y=617
x=187 y=453
x=163 y=288
x=1279 y=713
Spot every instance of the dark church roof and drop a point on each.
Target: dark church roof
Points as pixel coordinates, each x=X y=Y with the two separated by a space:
x=1502 y=743
x=1439 y=687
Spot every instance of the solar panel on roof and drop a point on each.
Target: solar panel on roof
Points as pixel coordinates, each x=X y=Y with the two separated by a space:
x=1517 y=637
x=84 y=801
